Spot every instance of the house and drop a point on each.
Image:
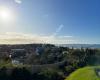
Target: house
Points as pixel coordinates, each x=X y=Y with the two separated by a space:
x=17 y=56
x=16 y=62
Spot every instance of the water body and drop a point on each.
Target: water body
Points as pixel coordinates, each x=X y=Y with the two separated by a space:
x=80 y=45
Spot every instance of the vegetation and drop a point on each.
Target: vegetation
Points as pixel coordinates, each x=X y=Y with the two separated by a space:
x=87 y=73
x=52 y=63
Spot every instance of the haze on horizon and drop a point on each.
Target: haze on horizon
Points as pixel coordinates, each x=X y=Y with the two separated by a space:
x=50 y=21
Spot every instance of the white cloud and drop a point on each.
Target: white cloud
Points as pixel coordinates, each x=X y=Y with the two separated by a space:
x=65 y=36
x=58 y=29
x=18 y=1
x=20 y=38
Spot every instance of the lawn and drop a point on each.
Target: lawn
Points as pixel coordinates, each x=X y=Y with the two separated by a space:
x=86 y=73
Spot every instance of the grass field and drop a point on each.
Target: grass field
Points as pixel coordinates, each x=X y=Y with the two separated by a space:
x=87 y=73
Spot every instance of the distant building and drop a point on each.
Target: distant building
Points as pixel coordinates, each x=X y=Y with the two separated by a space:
x=17 y=56
x=16 y=62
x=17 y=52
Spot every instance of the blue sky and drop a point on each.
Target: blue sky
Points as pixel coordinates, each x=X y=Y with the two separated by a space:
x=75 y=20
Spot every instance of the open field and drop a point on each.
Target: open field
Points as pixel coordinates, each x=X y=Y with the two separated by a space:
x=86 y=73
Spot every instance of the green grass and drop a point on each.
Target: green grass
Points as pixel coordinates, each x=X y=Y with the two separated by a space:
x=87 y=73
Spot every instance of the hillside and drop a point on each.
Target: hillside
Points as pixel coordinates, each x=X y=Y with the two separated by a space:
x=87 y=73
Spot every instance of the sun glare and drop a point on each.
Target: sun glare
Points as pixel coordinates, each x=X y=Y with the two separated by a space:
x=5 y=14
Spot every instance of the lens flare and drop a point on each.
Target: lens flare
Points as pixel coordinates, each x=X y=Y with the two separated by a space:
x=5 y=14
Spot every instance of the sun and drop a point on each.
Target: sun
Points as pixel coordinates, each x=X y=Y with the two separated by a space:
x=5 y=14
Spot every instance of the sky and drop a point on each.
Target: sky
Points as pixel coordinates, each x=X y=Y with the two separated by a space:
x=51 y=21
